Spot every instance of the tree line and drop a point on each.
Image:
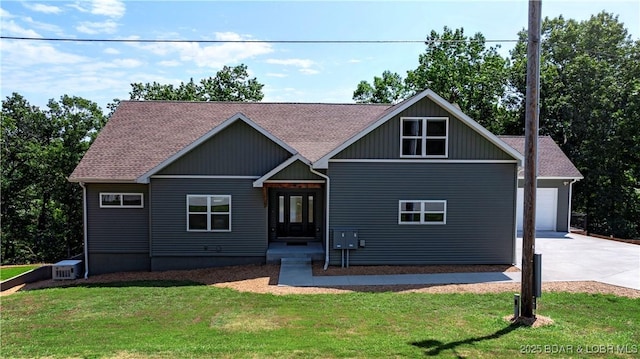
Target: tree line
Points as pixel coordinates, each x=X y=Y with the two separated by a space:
x=590 y=105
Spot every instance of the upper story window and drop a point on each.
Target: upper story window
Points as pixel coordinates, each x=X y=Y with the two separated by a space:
x=424 y=137
x=121 y=200
x=209 y=213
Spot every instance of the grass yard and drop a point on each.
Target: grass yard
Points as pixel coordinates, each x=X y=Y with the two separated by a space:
x=10 y=272
x=181 y=319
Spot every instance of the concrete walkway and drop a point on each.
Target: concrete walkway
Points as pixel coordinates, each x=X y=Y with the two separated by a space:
x=566 y=257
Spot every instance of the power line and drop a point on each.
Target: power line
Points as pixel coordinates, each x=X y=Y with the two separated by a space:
x=60 y=39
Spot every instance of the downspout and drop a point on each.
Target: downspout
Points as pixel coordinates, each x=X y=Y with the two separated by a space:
x=570 y=201
x=326 y=229
x=84 y=226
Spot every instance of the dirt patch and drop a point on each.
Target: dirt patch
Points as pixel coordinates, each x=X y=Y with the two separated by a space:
x=264 y=279
x=537 y=322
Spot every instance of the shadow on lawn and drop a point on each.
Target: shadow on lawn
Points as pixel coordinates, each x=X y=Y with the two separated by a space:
x=435 y=347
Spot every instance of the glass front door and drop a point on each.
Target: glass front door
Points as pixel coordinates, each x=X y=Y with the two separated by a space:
x=296 y=214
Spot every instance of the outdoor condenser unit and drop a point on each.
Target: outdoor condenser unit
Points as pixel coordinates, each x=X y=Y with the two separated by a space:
x=69 y=269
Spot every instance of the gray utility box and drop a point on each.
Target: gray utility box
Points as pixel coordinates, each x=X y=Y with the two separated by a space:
x=345 y=238
x=69 y=269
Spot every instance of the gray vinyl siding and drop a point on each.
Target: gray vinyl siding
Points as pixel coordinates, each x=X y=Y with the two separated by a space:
x=248 y=236
x=117 y=230
x=384 y=142
x=296 y=171
x=480 y=222
x=236 y=150
x=118 y=238
x=562 y=210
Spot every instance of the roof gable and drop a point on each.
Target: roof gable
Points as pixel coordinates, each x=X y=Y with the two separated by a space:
x=399 y=108
x=144 y=178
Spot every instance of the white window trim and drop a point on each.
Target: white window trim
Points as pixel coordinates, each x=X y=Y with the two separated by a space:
x=208 y=213
x=422 y=212
x=423 y=136
x=121 y=194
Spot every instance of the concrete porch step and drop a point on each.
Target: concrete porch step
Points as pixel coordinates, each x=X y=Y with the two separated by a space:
x=277 y=251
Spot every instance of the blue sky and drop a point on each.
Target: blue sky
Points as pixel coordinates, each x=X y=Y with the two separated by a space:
x=42 y=70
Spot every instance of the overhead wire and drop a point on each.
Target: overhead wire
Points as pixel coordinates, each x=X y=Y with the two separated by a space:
x=62 y=39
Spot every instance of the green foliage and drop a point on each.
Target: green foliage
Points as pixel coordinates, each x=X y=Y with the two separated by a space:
x=229 y=84
x=590 y=85
x=41 y=210
x=389 y=88
x=144 y=320
x=465 y=72
x=461 y=69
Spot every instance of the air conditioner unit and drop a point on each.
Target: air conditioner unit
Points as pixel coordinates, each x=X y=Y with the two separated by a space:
x=69 y=269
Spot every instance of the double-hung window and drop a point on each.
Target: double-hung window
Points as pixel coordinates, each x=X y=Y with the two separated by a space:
x=209 y=213
x=422 y=212
x=121 y=200
x=424 y=137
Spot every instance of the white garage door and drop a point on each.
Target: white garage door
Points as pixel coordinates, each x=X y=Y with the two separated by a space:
x=546 y=207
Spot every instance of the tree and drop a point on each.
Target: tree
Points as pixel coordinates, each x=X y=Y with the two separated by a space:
x=461 y=69
x=590 y=86
x=229 y=84
x=41 y=210
x=389 y=88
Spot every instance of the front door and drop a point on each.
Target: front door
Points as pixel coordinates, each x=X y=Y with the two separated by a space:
x=296 y=215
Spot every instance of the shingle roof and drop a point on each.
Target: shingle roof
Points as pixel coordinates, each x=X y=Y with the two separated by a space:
x=552 y=162
x=142 y=134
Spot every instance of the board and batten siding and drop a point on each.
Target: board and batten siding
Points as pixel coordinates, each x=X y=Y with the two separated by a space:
x=480 y=217
x=384 y=142
x=296 y=171
x=170 y=238
x=238 y=150
x=118 y=238
x=562 y=209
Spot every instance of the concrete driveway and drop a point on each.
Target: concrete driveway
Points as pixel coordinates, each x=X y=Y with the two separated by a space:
x=574 y=257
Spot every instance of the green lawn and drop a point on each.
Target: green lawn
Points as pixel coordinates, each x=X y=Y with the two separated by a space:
x=10 y=272
x=185 y=320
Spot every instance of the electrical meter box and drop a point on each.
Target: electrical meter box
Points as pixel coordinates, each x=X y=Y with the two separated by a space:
x=345 y=238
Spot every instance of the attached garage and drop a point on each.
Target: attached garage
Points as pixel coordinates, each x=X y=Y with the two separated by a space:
x=546 y=209
x=556 y=176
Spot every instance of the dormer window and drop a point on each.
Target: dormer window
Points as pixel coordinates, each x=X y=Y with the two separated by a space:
x=424 y=137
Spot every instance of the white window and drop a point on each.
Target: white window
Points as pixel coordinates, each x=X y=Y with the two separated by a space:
x=423 y=212
x=209 y=213
x=121 y=200
x=424 y=137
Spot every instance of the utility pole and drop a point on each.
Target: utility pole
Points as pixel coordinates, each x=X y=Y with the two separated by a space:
x=531 y=159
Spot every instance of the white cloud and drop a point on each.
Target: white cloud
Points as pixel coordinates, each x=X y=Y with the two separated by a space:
x=273 y=74
x=127 y=63
x=5 y=14
x=10 y=27
x=47 y=9
x=92 y=28
x=210 y=55
x=44 y=26
x=111 y=51
x=22 y=54
x=309 y=71
x=169 y=63
x=112 y=8
x=354 y=61
x=304 y=65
